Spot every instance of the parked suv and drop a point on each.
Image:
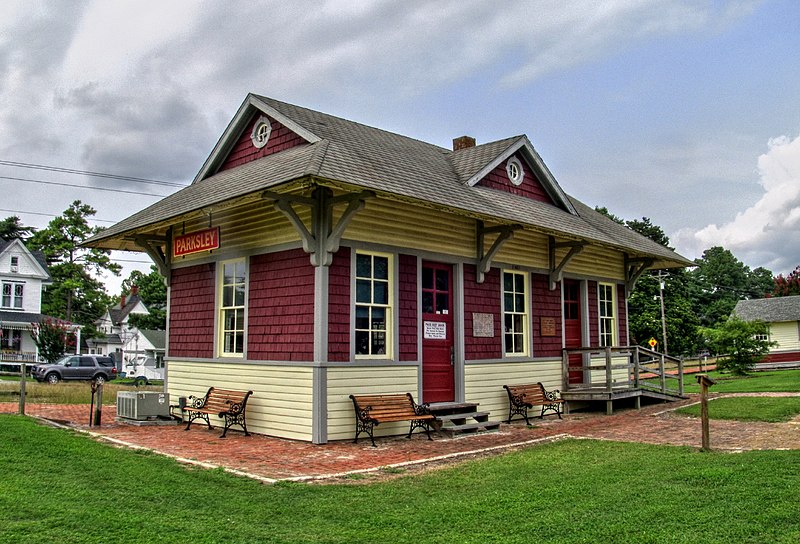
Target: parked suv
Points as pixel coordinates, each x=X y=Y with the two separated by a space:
x=77 y=367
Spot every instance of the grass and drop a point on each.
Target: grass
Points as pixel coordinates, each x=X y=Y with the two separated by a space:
x=78 y=392
x=757 y=382
x=65 y=488
x=770 y=409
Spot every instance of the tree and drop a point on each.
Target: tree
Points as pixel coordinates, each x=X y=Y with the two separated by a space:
x=787 y=286
x=743 y=344
x=53 y=339
x=719 y=281
x=153 y=292
x=12 y=227
x=75 y=294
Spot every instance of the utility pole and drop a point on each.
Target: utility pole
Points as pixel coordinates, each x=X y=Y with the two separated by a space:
x=663 y=317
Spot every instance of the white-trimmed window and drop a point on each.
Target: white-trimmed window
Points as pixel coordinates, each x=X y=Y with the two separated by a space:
x=373 y=311
x=606 y=295
x=232 y=286
x=515 y=313
x=12 y=295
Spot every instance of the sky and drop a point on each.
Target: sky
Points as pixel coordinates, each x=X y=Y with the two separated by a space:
x=683 y=111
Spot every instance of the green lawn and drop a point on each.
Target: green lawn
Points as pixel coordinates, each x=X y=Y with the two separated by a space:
x=757 y=382
x=60 y=487
x=770 y=409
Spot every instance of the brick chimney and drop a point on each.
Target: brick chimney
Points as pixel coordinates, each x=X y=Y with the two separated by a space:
x=463 y=142
x=122 y=300
x=134 y=290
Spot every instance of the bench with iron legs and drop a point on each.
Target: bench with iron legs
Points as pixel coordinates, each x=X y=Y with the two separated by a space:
x=224 y=403
x=523 y=397
x=373 y=410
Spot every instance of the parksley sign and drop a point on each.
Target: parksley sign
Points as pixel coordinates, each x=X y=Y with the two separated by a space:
x=195 y=242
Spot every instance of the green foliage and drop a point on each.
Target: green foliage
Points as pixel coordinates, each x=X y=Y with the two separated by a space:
x=53 y=339
x=153 y=292
x=75 y=294
x=787 y=286
x=741 y=344
x=688 y=497
x=720 y=280
x=769 y=409
x=12 y=227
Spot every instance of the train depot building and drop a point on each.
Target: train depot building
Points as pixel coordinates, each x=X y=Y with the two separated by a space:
x=314 y=258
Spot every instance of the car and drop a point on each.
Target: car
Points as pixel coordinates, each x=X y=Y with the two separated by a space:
x=77 y=367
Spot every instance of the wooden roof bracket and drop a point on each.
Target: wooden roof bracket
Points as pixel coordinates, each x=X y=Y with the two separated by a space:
x=324 y=238
x=634 y=268
x=506 y=232
x=152 y=245
x=557 y=270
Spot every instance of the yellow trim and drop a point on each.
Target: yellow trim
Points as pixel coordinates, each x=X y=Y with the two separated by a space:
x=526 y=326
x=389 y=306
x=220 y=309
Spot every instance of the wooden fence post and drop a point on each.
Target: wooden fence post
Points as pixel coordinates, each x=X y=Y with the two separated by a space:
x=705 y=382
x=22 y=391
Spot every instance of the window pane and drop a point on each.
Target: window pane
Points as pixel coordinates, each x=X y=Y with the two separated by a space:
x=379 y=318
x=239 y=320
x=442 y=280
x=381 y=293
x=519 y=302
x=239 y=339
x=508 y=282
x=442 y=303
x=379 y=343
x=508 y=302
x=427 y=303
x=362 y=343
x=363 y=291
x=239 y=291
x=427 y=278
x=362 y=317
x=227 y=296
x=363 y=266
x=381 y=265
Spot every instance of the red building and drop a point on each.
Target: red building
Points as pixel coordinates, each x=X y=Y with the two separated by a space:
x=314 y=257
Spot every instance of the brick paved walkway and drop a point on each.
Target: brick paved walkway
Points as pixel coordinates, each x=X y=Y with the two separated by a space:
x=270 y=458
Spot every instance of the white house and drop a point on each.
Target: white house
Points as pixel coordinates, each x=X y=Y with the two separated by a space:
x=782 y=315
x=23 y=275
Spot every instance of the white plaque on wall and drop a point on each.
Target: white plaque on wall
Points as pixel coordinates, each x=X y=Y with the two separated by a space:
x=483 y=325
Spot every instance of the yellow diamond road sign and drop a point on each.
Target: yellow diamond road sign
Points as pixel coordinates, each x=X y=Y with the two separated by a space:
x=652 y=342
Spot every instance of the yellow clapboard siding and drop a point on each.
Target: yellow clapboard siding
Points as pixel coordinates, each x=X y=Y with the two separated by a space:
x=786 y=334
x=403 y=225
x=525 y=248
x=281 y=404
x=484 y=383
x=343 y=382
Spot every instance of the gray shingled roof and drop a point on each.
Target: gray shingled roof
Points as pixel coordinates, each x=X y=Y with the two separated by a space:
x=157 y=338
x=770 y=310
x=393 y=166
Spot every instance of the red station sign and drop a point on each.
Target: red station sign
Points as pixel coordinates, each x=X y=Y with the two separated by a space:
x=195 y=242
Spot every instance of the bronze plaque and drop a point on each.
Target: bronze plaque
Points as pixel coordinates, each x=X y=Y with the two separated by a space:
x=548 y=326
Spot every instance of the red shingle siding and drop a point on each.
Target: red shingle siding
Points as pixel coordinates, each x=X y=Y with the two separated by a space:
x=594 y=314
x=546 y=303
x=191 y=318
x=622 y=315
x=281 y=307
x=785 y=357
x=407 y=308
x=530 y=186
x=244 y=151
x=482 y=298
x=339 y=307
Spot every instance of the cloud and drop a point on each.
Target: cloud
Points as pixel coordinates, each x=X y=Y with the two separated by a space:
x=768 y=232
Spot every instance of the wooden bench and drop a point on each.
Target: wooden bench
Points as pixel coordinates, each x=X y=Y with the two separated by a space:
x=373 y=410
x=522 y=397
x=223 y=403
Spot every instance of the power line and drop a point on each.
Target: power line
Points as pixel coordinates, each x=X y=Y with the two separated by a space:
x=53 y=215
x=88 y=173
x=82 y=186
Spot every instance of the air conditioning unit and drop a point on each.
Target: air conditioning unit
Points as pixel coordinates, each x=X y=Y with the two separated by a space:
x=143 y=405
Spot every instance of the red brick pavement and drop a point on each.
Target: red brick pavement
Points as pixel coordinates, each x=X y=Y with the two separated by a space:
x=272 y=458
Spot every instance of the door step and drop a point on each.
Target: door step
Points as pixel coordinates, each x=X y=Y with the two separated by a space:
x=456 y=418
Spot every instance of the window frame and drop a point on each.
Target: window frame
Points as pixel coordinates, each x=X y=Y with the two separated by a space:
x=525 y=314
x=602 y=318
x=221 y=308
x=389 y=307
x=15 y=301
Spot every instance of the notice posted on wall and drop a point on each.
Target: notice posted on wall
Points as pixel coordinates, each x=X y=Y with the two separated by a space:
x=482 y=325
x=435 y=330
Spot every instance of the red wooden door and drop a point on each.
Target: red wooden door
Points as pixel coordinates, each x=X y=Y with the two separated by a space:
x=438 y=384
x=573 y=330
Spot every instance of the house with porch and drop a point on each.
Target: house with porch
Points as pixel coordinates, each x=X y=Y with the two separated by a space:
x=313 y=258
x=23 y=275
x=782 y=316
